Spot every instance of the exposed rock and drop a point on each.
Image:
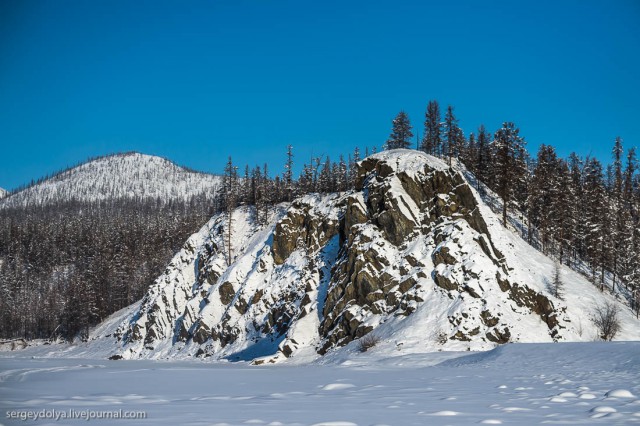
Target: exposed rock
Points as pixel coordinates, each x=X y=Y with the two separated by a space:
x=202 y=334
x=301 y=227
x=444 y=281
x=441 y=255
x=226 y=292
x=461 y=336
x=488 y=319
x=499 y=336
x=330 y=269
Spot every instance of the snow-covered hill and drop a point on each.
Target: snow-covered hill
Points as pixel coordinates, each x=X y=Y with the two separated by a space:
x=413 y=257
x=120 y=176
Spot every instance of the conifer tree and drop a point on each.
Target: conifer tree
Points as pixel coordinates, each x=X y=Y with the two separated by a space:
x=508 y=164
x=341 y=175
x=355 y=159
x=577 y=207
x=288 y=175
x=563 y=200
x=483 y=159
x=629 y=172
x=453 y=135
x=542 y=195
x=230 y=189
x=267 y=195
x=596 y=217
x=401 y=134
x=432 y=139
x=324 y=180
x=305 y=182
x=521 y=183
x=557 y=286
x=246 y=186
x=630 y=242
x=618 y=236
x=470 y=155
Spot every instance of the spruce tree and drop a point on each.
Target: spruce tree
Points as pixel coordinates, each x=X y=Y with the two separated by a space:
x=596 y=217
x=618 y=235
x=483 y=158
x=470 y=155
x=401 y=134
x=256 y=186
x=628 y=255
x=342 y=175
x=563 y=200
x=324 y=180
x=305 y=182
x=230 y=189
x=508 y=164
x=288 y=175
x=557 y=286
x=577 y=207
x=629 y=173
x=355 y=159
x=246 y=186
x=267 y=194
x=543 y=194
x=432 y=139
x=453 y=135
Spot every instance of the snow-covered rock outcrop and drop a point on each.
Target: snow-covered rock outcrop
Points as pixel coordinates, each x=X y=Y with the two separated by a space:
x=121 y=176
x=413 y=256
x=3 y=193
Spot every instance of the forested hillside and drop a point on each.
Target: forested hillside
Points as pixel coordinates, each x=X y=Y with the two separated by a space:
x=90 y=240
x=131 y=176
x=68 y=266
x=87 y=241
x=576 y=209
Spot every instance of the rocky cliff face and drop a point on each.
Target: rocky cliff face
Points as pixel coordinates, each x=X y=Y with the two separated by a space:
x=414 y=233
x=410 y=248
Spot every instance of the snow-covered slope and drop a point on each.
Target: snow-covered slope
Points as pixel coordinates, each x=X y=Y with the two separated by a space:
x=121 y=176
x=412 y=256
x=3 y=193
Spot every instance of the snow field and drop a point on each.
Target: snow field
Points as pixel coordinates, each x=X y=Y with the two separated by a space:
x=561 y=383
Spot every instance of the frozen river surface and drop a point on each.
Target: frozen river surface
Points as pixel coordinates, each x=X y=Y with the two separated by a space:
x=565 y=383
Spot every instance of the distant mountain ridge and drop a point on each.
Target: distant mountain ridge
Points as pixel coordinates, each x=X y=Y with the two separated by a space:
x=119 y=176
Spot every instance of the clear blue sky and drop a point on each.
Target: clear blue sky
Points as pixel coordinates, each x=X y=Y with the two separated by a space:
x=197 y=81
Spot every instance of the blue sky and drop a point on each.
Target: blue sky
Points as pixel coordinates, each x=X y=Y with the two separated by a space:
x=197 y=81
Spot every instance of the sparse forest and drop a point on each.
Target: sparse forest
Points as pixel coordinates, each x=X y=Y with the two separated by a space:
x=577 y=210
x=66 y=265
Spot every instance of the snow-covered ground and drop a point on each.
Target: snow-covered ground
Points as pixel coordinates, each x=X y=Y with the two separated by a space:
x=555 y=383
